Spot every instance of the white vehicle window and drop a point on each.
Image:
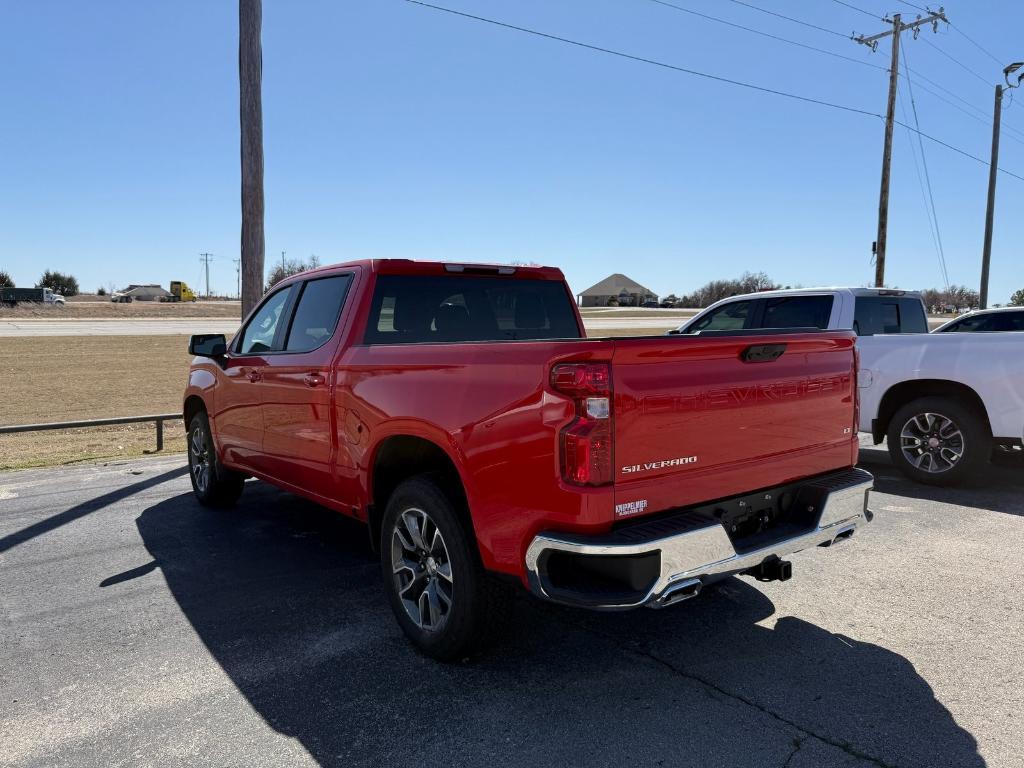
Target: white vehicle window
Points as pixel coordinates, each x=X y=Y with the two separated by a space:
x=730 y=317
x=797 y=312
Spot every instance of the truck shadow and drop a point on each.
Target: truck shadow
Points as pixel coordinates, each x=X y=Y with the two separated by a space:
x=286 y=596
x=996 y=488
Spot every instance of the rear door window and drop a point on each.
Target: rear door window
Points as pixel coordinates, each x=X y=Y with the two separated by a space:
x=729 y=317
x=412 y=309
x=317 y=312
x=796 y=312
x=889 y=314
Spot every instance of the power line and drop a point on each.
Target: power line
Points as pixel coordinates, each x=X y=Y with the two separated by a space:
x=766 y=34
x=987 y=116
x=920 y=181
x=643 y=60
x=860 y=10
x=918 y=7
x=957 y=62
x=697 y=73
x=927 y=176
x=790 y=18
x=976 y=45
x=986 y=121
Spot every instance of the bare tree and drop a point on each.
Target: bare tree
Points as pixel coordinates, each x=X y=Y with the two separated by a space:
x=250 y=82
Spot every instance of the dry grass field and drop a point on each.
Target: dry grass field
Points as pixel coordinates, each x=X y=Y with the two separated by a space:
x=137 y=309
x=66 y=378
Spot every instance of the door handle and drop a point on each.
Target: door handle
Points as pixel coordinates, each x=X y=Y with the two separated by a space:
x=255 y=375
x=314 y=379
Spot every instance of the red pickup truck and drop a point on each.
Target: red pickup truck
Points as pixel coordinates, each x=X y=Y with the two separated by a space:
x=461 y=412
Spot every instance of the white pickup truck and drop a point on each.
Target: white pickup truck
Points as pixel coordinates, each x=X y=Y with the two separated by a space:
x=943 y=402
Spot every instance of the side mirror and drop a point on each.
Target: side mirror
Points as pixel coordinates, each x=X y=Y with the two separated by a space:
x=208 y=345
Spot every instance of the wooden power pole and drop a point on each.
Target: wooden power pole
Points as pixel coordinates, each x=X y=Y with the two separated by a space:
x=250 y=82
x=993 y=173
x=890 y=117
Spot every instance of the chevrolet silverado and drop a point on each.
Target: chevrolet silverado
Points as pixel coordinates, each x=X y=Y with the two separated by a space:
x=463 y=415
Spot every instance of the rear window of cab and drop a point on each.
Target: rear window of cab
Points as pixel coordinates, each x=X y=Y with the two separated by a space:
x=412 y=309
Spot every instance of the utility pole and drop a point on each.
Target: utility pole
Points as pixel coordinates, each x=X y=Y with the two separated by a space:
x=206 y=258
x=238 y=276
x=282 y=259
x=993 y=173
x=898 y=26
x=250 y=82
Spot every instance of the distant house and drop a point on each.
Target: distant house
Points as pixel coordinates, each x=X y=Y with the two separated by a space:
x=146 y=292
x=616 y=290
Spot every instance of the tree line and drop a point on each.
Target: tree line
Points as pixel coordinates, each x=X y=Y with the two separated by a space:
x=58 y=282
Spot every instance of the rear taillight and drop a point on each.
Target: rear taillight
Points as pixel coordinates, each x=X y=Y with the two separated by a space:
x=585 y=445
x=856 y=390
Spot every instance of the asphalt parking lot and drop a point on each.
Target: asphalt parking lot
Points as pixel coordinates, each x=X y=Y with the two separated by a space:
x=139 y=629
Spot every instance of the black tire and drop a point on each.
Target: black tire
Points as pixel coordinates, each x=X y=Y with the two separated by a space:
x=477 y=605
x=925 y=434
x=213 y=484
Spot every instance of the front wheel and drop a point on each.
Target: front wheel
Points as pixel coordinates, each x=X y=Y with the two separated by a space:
x=214 y=484
x=938 y=441
x=442 y=598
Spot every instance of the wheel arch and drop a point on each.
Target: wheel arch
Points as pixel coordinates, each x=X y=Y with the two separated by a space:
x=193 y=405
x=400 y=457
x=906 y=391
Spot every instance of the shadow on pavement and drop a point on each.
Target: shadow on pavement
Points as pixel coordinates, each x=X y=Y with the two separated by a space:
x=997 y=487
x=286 y=596
x=86 y=508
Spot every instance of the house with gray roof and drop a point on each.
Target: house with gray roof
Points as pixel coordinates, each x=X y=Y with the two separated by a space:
x=617 y=287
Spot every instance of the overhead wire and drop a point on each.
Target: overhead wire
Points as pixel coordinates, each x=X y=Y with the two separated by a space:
x=927 y=175
x=789 y=18
x=681 y=9
x=704 y=75
x=976 y=44
x=956 y=61
x=860 y=10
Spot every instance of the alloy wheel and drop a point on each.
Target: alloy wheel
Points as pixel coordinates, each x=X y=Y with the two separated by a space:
x=932 y=442
x=199 y=458
x=421 y=569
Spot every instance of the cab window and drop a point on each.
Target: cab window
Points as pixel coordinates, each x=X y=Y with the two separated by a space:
x=889 y=314
x=797 y=312
x=261 y=334
x=730 y=317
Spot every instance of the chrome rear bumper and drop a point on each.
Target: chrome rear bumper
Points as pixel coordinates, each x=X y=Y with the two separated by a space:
x=695 y=549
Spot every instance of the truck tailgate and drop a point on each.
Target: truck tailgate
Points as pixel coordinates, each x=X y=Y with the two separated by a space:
x=700 y=418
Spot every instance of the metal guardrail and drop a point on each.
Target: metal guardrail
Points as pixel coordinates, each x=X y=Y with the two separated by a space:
x=158 y=418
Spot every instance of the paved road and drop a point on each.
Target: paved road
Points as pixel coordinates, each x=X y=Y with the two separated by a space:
x=138 y=629
x=118 y=327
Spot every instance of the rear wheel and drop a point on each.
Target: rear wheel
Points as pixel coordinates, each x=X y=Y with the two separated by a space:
x=214 y=484
x=445 y=602
x=936 y=440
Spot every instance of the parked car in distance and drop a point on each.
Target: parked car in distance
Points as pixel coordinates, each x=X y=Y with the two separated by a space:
x=650 y=305
x=460 y=412
x=997 y=320
x=942 y=402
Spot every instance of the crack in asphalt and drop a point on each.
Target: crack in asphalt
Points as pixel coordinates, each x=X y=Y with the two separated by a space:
x=846 y=747
x=797 y=744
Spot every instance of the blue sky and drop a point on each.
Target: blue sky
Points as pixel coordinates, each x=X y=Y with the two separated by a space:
x=396 y=131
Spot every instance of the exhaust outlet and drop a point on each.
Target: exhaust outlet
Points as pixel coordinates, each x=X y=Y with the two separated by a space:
x=676 y=593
